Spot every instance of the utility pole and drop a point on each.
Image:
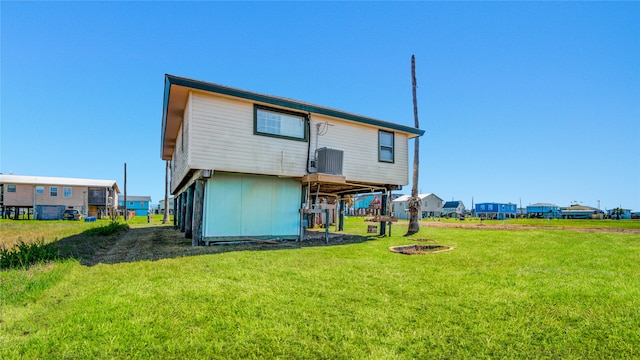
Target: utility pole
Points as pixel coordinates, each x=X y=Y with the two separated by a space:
x=165 y=219
x=126 y=213
x=414 y=201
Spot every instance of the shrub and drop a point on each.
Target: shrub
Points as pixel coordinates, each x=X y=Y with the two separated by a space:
x=23 y=255
x=112 y=228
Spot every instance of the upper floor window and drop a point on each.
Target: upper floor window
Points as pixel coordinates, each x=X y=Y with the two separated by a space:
x=53 y=191
x=11 y=188
x=66 y=192
x=385 y=146
x=40 y=190
x=279 y=123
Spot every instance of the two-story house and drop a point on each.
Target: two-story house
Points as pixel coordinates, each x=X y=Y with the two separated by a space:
x=138 y=204
x=249 y=165
x=543 y=210
x=46 y=198
x=453 y=208
x=430 y=205
x=496 y=211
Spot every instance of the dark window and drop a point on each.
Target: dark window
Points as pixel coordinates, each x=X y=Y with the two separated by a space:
x=385 y=146
x=279 y=123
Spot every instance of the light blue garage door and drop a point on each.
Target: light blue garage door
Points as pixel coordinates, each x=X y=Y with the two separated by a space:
x=251 y=206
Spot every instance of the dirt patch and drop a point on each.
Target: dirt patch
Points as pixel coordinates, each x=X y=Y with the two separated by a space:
x=420 y=249
x=165 y=242
x=520 y=227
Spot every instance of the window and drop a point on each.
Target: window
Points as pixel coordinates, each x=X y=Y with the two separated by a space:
x=40 y=190
x=11 y=188
x=130 y=203
x=481 y=207
x=142 y=204
x=66 y=192
x=53 y=191
x=385 y=146
x=279 y=123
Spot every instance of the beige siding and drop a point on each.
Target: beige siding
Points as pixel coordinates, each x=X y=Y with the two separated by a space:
x=219 y=136
x=24 y=196
x=223 y=139
x=180 y=159
x=360 y=145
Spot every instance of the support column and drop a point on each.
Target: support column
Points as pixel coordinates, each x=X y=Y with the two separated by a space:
x=341 y=216
x=198 y=208
x=181 y=210
x=188 y=219
x=175 y=208
x=383 y=212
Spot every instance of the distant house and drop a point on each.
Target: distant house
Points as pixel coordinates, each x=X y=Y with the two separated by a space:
x=365 y=204
x=496 y=211
x=581 y=212
x=543 y=210
x=453 y=209
x=431 y=206
x=619 y=214
x=46 y=198
x=137 y=204
x=161 y=206
x=249 y=165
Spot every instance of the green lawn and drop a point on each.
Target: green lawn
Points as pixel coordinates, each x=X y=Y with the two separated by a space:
x=540 y=293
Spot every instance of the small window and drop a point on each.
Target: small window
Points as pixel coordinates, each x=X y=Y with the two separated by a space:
x=40 y=190
x=53 y=191
x=11 y=188
x=279 y=123
x=66 y=192
x=141 y=203
x=130 y=203
x=385 y=146
x=481 y=207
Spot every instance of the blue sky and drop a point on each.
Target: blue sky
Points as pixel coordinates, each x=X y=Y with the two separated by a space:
x=521 y=101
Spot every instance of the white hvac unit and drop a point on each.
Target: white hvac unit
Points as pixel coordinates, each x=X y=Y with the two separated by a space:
x=329 y=161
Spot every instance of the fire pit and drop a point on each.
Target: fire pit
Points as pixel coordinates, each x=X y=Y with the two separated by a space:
x=420 y=249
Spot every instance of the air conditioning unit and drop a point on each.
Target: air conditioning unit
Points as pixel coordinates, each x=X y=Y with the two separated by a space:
x=329 y=161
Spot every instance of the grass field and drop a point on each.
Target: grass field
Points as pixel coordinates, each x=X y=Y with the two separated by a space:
x=539 y=293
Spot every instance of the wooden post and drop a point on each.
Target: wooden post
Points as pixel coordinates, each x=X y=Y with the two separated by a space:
x=181 y=210
x=198 y=207
x=383 y=212
x=175 y=208
x=326 y=226
x=188 y=219
x=341 y=218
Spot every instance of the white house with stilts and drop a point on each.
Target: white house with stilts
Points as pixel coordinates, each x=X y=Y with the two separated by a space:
x=246 y=165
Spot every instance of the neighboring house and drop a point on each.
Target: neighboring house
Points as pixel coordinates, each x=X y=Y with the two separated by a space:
x=453 y=209
x=138 y=204
x=581 y=212
x=365 y=204
x=619 y=213
x=161 y=206
x=496 y=211
x=543 y=211
x=249 y=165
x=45 y=198
x=431 y=205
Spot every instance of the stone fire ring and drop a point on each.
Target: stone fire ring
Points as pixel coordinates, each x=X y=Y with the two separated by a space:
x=420 y=249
